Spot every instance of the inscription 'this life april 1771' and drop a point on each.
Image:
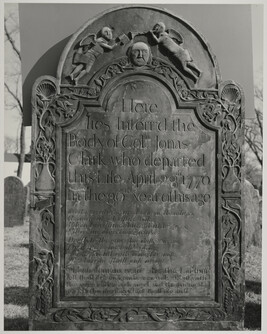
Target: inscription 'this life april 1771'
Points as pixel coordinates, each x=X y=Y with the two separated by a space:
x=139 y=193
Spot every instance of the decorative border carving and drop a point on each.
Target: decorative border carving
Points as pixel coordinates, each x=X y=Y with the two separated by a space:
x=122 y=65
x=104 y=314
x=223 y=110
x=49 y=109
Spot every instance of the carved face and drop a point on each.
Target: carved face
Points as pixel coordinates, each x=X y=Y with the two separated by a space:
x=140 y=54
x=159 y=27
x=106 y=33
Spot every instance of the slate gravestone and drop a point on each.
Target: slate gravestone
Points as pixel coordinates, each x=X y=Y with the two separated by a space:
x=252 y=208
x=137 y=178
x=15 y=201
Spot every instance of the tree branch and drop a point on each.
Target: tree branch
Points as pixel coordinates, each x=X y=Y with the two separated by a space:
x=254 y=149
x=15 y=98
x=259 y=119
x=11 y=41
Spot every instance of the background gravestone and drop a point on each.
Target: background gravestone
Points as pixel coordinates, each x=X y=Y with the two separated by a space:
x=257 y=236
x=137 y=178
x=251 y=199
x=252 y=214
x=27 y=202
x=15 y=201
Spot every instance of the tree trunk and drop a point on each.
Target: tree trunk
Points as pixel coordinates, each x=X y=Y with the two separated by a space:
x=22 y=150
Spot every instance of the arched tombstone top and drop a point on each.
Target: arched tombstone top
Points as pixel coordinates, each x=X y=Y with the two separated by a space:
x=110 y=35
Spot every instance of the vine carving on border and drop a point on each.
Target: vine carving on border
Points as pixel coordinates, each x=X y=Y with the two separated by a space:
x=44 y=272
x=136 y=314
x=223 y=111
x=231 y=250
x=50 y=109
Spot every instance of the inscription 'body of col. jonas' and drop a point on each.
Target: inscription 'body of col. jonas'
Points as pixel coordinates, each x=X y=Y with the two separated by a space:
x=136 y=183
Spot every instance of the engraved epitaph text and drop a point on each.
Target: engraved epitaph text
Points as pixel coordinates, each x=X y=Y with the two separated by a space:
x=139 y=198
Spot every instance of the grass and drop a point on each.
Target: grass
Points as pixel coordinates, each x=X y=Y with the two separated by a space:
x=16 y=281
x=253 y=289
x=16 y=277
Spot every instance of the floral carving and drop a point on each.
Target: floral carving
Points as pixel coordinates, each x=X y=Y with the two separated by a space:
x=44 y=272
x=103 y=314
x=47 y=219
x=231 y=252
x=50 y=109
x=225 y=112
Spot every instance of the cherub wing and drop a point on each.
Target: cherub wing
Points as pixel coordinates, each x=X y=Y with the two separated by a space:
x=87 y=40
x=175 y=35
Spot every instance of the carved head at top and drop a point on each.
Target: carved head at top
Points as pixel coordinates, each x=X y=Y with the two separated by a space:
x=159 y=28
x=139 y=54
x=106 y=33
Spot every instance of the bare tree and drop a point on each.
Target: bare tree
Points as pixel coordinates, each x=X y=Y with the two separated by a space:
x=254 y=130
x=10 y=145
x=13 y=80
x=253 y=147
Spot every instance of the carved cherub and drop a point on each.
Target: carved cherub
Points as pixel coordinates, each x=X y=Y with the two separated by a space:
x=90 y=48
x=171 y=41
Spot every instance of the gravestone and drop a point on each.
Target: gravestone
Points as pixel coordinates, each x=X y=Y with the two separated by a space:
x=136 y=219
x=252 y=207
x=15 y=201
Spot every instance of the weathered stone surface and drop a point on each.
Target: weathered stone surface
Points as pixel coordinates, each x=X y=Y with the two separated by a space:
x=28 y=203
x=15 y=201
x=252 y=213
x=137 y=219
x=257 y=236
x=252 y=201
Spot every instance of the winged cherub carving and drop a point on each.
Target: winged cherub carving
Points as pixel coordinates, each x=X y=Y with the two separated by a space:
x=90 y=48
x=170 y=41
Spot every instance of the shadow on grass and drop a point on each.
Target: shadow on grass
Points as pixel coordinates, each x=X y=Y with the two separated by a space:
x=253 y=287
x=16 y=295
x=16 y=324
x=253 y=316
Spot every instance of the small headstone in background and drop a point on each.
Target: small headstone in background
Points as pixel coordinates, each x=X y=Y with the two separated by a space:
x=27 y=200
x=15 y=200
x=257 y=236
x=251 y=203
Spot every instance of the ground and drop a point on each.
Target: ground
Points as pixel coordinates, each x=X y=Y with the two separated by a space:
x=16 y=281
